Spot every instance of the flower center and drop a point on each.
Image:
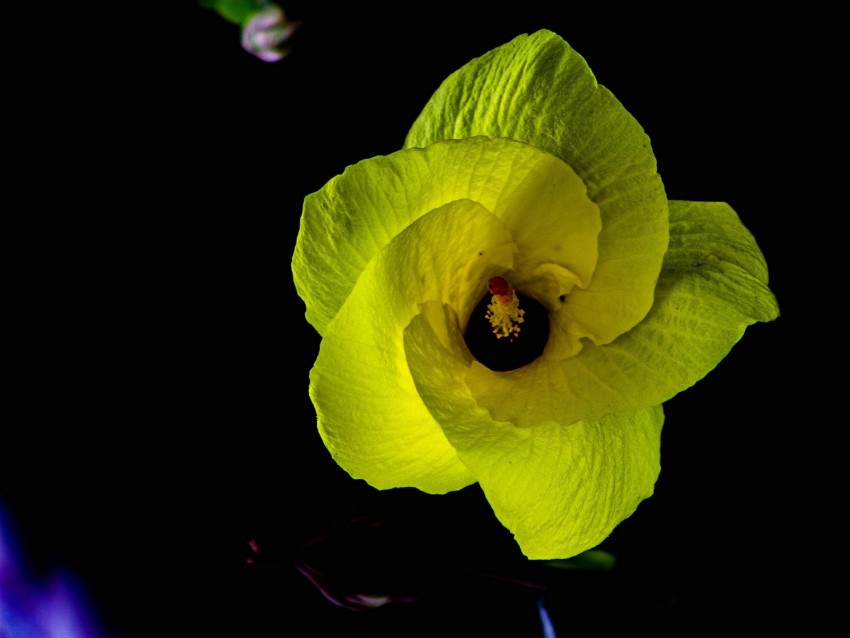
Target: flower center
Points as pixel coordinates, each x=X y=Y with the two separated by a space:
x=503 y=311
x=493 y=334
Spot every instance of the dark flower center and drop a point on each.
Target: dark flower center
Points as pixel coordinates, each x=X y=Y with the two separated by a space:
x=502 y=354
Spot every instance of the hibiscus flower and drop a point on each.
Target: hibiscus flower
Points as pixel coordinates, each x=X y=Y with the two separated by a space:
x=510 y=298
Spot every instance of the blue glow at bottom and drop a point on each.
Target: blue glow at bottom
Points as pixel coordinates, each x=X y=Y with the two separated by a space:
x=53 y=608
x=548 y=627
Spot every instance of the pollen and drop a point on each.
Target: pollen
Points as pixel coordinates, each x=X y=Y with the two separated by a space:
x=503 y=312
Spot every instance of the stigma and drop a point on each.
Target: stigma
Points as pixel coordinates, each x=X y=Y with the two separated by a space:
x=503 y=312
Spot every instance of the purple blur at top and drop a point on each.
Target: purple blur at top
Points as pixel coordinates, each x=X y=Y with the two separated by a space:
x=266 y=32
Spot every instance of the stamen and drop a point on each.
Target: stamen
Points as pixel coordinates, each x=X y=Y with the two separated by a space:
x=503 y=312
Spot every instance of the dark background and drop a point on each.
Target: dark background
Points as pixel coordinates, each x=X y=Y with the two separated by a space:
x=160 y=417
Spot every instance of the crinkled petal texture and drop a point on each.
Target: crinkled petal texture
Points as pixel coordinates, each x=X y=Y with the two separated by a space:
x=521 y=166
x=391 y=235
x=355 y=215
x=712 y=286
x=561 y=488
x=537 y=89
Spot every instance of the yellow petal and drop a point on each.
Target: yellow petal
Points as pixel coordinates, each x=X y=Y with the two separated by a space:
x=559 y=489
x=370 y=414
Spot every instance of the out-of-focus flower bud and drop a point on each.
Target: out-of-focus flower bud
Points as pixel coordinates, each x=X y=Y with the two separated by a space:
x=265 y=33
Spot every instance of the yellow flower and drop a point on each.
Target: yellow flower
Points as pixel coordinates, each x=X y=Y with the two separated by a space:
x=522 y=184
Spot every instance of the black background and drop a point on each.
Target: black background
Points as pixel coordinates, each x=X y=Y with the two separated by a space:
x=160 y=418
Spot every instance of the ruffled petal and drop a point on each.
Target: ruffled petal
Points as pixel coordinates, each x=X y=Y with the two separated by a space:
x=356 y=214
x=559 y=489
x=713 y=285
x=540 y=91
x=370 y=415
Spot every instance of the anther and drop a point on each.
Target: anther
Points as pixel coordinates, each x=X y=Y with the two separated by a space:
x=503 y=312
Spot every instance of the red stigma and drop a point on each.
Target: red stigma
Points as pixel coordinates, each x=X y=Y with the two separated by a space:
x=499 y=286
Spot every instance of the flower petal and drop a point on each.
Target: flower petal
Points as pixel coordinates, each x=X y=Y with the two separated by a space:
x=559 y=489
x=563 y=489
x=369 y=412
x=537 y=89
x=356 y=214
x=713 y=285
